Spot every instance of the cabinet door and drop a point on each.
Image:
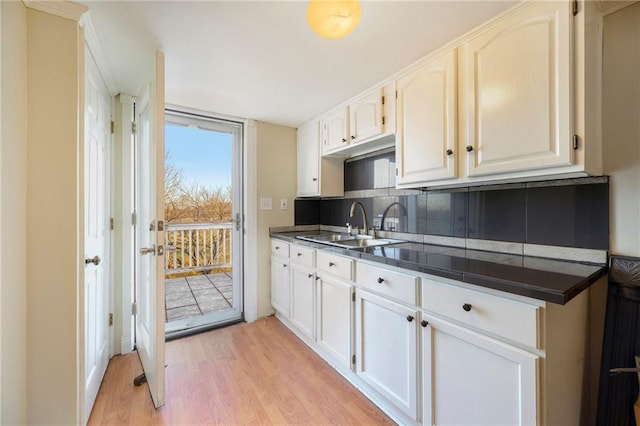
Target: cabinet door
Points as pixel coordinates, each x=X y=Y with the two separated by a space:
x=334 y=326
x=386 y=349
x=426 y=136
x=516 y=93
x=472 y=379
x=365 y=116
x=302 y=299
x=308 y=159
x=280 y=286
x=336 y=129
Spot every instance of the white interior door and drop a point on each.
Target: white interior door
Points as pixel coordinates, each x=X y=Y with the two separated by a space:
x=97 y=204
x=150 y=233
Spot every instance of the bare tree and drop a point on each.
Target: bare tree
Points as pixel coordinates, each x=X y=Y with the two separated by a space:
x=192 y=202
x=173 y=183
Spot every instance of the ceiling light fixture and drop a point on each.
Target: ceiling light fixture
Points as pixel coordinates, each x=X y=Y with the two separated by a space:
x=333 y=19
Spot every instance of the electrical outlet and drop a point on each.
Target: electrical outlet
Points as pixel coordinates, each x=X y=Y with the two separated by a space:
x=265 y=203
x=283 y=204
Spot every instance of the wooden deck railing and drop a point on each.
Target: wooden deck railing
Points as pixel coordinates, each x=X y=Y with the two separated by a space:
x=197 y=247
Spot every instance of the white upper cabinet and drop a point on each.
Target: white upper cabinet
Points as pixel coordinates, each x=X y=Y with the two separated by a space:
x=366 y=115
x=307 y=157
x=516 y=93
x=317 y=176
x=361 y=125
x=426 y=136
x=336 y=129
x=515 y=99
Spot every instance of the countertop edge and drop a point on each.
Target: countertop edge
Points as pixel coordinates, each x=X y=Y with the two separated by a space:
x=505 y=285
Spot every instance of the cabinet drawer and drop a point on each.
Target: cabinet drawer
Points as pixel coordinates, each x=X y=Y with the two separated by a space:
x=334 y=264
x=279 y=248
x=503 y=317
x=403 y=287
x=302 y=255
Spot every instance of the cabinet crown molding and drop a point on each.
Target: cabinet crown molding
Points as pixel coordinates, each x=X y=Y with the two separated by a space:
x=62 y=8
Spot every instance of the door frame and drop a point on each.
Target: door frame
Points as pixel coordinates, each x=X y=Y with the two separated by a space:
x=214 y=123
x=124 y=194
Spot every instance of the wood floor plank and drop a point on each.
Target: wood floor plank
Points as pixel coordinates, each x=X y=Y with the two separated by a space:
x=245 y=374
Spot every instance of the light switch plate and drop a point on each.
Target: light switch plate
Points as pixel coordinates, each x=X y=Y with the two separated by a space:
x=283 y=203
x=265 y=204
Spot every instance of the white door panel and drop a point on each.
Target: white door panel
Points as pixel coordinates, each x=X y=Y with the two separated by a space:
x=150 y=236
x=97 y=204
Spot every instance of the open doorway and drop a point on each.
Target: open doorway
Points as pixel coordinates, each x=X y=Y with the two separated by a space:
x=203 y=215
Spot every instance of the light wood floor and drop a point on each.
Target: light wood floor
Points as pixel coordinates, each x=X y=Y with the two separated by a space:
x=257 y=373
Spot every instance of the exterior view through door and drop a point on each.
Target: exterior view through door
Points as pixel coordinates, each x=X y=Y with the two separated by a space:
x=203 y=193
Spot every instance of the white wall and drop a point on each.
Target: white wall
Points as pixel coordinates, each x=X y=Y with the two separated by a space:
x=276 y=179
x=621 y=126
x=54 y=222
x=13 y=188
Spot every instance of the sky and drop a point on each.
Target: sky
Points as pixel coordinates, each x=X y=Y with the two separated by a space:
x=202 y=155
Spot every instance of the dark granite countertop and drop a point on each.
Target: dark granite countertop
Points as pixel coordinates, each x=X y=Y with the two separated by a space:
x=545 y=279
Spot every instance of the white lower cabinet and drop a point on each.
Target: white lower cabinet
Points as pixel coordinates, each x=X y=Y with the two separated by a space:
x=303 y=299
x=280 y=285
x=334 y=310
x=433 y=351
x=470 y=379
x=387 y=350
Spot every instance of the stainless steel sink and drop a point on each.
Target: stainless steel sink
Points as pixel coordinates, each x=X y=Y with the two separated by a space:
x=328 y=237
x=349 y=241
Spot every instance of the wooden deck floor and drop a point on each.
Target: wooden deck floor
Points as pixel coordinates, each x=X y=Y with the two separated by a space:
x=257 y=373
x=197 y=295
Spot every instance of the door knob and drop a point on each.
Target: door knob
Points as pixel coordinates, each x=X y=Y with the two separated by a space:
x=95 y=260
x=148 y=250
x=449 y=152
x=469 y=148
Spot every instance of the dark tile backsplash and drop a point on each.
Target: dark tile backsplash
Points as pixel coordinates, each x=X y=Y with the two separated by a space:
x=378 y=171
x=497 y=214
x=578 y=214
x=447 y=213
x=306 y=211
x=569 y=213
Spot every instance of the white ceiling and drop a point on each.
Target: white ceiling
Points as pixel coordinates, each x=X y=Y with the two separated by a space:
x=259 y=59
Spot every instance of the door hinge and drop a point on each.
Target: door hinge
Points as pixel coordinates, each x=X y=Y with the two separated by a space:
x=574 y=6
x=110 y=319
x=353 y=359
x=111 y=223
x=396 y=171
x=396 y=94
x=353 y=297
x=134 y=308
x=113 y=127
x=134 y=127
x=383 y=120
x=575 y=142
x=383 y=100
x=134 y=219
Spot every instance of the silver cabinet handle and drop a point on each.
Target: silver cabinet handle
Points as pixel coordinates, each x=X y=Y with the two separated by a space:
x=148 y=250
x=95 y=260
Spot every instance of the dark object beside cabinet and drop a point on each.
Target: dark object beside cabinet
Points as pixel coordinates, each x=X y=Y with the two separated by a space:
x=621 y=344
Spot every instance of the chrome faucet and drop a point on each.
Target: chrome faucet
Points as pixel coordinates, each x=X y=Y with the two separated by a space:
x=364 y=214
x=384 y=214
